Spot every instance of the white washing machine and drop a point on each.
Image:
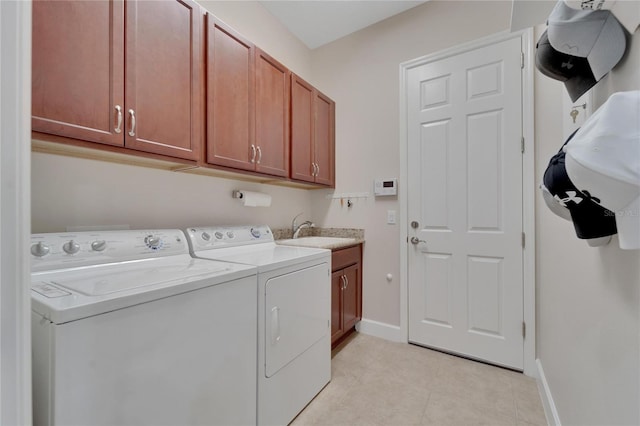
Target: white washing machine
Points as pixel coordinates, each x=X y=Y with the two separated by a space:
x=129 y=329
x=294 y=314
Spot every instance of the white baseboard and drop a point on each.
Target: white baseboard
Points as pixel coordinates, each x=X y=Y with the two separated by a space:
x=550 y=410
x=381 y=330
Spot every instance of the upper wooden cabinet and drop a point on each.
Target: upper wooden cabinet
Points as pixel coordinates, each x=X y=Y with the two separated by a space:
x=133 y=82
x=230 y=98
x=78 y=69
x=272 y=115
x=136 y=76
x=312 y=134
x=247 y=104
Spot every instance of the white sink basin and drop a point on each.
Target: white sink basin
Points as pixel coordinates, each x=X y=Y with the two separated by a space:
x=318 y=242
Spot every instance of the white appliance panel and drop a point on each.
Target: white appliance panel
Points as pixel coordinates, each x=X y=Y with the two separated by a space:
x=283 y=395
x=187 y=359
x=297 y=314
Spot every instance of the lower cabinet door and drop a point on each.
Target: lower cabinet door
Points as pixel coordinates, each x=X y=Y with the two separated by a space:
x=350 y=296
x=336 y=305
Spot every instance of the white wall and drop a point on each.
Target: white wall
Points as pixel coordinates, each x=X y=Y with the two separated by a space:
x=588 y=299
x=361 y=73
x=255 y=23
x=76 y=192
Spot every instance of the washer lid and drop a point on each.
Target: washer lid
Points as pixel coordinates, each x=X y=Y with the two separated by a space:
x=67 y=295
x=122 y=277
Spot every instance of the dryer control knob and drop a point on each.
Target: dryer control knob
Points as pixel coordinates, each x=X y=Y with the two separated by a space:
x=153 y=242
x=219 y=235
x=40 y=249
x=206 y=236
x=255 y=232
x=71 y=247
x=99 y=245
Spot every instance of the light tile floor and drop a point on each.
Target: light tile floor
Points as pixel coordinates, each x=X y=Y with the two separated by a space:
x=377 y=382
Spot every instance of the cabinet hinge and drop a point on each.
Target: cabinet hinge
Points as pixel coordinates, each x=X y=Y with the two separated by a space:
x=522 y=145
x=524 y=329
x=523 y=240
x=522 y=60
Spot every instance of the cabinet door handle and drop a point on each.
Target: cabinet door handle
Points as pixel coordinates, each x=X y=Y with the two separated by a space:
x=259 y=155
x=275 y=325
x=346 y=282
x=317 y=169
x=132 y=114
x=119 y=118
x=253 y=153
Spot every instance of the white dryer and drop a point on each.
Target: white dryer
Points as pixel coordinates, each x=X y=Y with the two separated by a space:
x=128 y=328
x=294 y=314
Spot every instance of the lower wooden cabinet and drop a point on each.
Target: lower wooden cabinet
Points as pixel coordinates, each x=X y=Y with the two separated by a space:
x=346 y=292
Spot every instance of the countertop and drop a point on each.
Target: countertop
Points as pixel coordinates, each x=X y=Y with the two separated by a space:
x=332 y=243
x=326 y=238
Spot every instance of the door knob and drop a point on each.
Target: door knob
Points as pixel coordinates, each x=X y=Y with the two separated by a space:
x=416 y=240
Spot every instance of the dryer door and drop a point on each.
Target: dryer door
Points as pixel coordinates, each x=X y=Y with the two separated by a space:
x=297 y=310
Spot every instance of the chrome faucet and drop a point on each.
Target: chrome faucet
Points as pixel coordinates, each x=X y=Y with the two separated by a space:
x=295 y=229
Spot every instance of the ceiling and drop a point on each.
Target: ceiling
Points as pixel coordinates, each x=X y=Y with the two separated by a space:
x=318 y=22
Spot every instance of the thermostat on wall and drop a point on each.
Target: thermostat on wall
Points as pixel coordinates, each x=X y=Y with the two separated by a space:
x=383 y=187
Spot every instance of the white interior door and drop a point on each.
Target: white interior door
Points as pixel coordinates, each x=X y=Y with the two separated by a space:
x=465 y=284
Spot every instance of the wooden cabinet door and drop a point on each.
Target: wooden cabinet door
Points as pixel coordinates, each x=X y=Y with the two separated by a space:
x=337 y=328
x=78 y=69
x=163 y=77
x=272 y=115
x=351 y=296
x=302 y=119
x=324 y=139
x=230 y=98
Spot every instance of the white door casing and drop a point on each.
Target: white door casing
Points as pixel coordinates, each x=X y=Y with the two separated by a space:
x=464 y=188
x=15 y=213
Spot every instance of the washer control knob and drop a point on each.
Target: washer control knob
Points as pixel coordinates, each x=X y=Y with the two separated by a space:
x=153 y=242
x=98 y=245
x=71 y=247
x=219 y=235
x=230 y=234
x=255 y=232
x=206 y=236
x=40 y=249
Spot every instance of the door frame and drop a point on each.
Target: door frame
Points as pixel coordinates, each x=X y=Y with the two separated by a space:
x=15 y=212
x=528 y=183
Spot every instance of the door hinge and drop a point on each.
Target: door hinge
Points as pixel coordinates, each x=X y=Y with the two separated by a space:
x=522 y=60
x=524 y=329
x=523 y=240
x=522 y=145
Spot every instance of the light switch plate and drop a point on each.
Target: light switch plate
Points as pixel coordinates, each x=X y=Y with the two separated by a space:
x=391 y=217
